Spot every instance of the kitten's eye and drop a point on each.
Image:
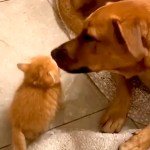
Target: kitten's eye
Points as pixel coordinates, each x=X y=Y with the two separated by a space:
x=87 y=37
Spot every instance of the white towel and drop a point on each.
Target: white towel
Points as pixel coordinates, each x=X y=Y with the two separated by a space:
x=80 y=140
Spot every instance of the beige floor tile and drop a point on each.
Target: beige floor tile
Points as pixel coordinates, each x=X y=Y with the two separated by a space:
x=91 y=122
x=81 y=97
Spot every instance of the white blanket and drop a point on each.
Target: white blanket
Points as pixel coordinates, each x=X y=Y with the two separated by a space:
x=80 y=140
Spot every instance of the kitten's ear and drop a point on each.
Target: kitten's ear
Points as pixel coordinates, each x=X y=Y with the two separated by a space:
x=23 y=67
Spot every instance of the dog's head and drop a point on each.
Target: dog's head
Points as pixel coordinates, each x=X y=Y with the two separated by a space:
x=110 y=40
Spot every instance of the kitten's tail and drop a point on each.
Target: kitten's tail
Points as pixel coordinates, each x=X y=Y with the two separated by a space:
x=18 y=140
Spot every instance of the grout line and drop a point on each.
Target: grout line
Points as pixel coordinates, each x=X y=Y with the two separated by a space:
x=134 y=122
x=5 y=146
x=77 y=119
x=98 y=88
x=140 y=124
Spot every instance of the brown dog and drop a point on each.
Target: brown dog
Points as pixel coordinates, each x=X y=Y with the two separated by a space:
x=116 y=37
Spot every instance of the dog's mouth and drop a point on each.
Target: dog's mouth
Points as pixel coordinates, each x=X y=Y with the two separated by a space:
x=80 y=70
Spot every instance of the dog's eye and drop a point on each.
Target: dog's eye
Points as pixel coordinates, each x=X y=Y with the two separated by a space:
x=87 y=37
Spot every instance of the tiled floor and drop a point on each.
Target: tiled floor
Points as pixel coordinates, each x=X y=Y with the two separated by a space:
x=28 y=28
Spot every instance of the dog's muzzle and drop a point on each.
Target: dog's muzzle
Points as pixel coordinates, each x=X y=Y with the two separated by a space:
x=63 y=60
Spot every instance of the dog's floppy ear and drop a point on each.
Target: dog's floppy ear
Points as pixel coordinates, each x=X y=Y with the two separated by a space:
x=130 y=33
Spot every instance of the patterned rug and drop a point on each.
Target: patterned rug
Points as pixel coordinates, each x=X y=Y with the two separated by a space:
x=140 y=107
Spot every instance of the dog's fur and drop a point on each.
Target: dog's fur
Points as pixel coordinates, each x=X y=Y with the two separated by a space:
x=115 y=37
x=35 y=102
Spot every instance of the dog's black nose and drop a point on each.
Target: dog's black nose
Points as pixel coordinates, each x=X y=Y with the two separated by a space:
x=54 y=53
x=59 y=54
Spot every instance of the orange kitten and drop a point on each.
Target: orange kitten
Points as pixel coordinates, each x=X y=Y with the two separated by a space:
x=36 y=100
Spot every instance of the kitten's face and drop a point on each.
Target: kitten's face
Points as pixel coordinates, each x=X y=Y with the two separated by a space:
x=41 y=72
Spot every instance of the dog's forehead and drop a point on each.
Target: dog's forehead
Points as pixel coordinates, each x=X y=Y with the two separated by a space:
x=97 y=25
x=99 y=18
